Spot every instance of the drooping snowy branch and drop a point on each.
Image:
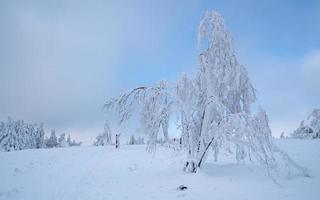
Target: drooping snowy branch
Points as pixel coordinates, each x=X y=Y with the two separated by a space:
x=154 y=113
x=125 y=102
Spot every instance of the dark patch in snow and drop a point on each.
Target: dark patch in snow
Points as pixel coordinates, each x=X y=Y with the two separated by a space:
x=17 y=170
x=133 y=168
x=182 y=187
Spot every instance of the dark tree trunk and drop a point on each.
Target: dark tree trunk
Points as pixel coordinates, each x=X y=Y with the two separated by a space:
x=204 y=153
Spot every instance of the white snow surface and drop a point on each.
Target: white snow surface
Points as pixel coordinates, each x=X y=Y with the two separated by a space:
x=104 y=172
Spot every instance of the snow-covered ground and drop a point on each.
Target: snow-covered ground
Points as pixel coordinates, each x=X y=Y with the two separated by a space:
x=131 y=173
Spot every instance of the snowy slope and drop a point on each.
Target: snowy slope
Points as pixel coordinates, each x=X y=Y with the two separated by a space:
x=131 y=173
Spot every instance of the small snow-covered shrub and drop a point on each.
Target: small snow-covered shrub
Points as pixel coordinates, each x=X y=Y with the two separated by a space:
x=309 y=128
x=105 y=138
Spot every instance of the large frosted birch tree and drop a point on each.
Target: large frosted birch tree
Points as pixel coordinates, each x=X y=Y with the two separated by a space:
x=213 y=108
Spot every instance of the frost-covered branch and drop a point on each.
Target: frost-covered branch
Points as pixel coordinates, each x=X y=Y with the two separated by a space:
x=123 y=104
x=154 y=113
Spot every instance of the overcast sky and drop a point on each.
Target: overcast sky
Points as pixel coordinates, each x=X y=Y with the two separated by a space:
x=61 y=60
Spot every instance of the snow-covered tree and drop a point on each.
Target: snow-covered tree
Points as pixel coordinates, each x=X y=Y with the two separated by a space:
x=105 y=138
x=8 y=135
x=214 y=108
x=40 y=137
x=309 y=128
x=18 y=135
x=187 y=99
x=221 y=119
x=222 y=85
x=62 y=142
x=52 y=141
x=69 y=142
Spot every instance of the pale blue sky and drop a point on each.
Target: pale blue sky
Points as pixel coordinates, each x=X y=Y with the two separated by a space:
x=60 y=60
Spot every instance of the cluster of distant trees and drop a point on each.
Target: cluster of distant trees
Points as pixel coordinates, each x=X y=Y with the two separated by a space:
x=54 y=141
x=105 y=138
x=19 y=135
x=135 y=140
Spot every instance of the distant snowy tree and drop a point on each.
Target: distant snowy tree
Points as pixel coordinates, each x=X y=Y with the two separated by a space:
x=214 y=108
x=309 y=128
x=69 y=142
x=62 y=142
x=133 y=140
x=282 y=136
x=52 y=141
x=40 y=137
x=8 y=135
x=105 y=138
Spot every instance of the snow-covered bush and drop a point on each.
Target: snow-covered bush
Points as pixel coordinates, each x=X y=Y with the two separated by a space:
x=18 y=135
x=309 y=128
x=52 y=141
x=213 y=108
x=105 y=138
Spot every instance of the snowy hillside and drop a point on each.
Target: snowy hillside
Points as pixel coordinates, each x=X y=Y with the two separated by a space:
x=309 y=128
x=131 y=173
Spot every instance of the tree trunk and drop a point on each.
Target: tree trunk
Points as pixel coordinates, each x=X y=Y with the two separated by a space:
x=203 y=155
